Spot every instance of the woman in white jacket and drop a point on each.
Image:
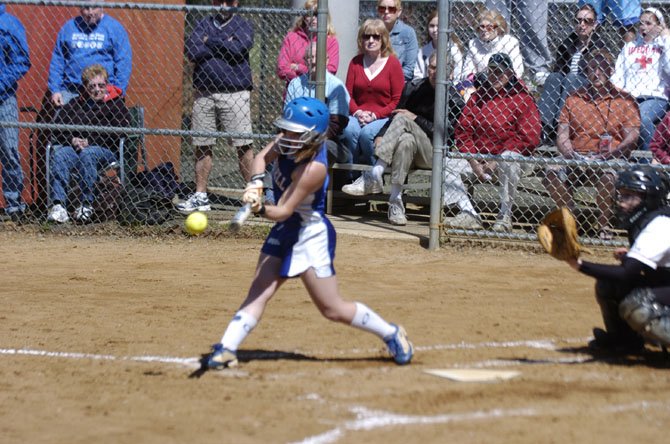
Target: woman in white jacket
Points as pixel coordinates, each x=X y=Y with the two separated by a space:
x=643 y=71
x=492 y=38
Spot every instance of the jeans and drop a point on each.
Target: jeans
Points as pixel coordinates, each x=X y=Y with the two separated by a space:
x=557 y=87
x=12 y=174
x=652 y=110
x=86 y=163
x=360 y=140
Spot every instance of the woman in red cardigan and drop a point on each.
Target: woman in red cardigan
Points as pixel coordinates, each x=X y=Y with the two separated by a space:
x=375 y=81
x=501 y=118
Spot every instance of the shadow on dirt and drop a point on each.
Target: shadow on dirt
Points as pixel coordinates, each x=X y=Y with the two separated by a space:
x=277 y=355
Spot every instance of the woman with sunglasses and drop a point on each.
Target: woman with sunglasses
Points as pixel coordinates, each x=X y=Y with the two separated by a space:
x=403 y=37
x=643 y=71
x=569 y=73
x=492 y=38
x=291 y=60
x=455 y=51
x=86 y=152
x=374 y=81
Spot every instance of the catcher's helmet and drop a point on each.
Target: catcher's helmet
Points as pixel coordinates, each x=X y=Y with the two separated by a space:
x=304 y=115
x=651 y=184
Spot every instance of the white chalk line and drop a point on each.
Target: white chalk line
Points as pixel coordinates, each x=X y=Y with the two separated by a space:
x=545 y=344
x=367 y=419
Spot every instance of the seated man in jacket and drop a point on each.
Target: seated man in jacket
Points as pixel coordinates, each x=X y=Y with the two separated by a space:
x=405 y=142
x=500 y=119
x=85 y=152
x=597 y=123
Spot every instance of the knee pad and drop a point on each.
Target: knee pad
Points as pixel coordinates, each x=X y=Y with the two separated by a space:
x=646 y=316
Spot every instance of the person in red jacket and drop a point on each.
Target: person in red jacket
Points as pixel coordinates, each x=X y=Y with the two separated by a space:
x=502 y=119
x=375 y=82
x=660 y=142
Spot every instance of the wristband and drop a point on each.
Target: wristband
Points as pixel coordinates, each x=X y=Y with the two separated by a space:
x=261 y=210
x=259 y=176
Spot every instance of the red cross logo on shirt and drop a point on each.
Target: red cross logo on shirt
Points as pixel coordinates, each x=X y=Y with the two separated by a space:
x=643 y=61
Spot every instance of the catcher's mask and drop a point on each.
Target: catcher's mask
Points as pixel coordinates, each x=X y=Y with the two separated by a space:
x=652 y=187
x=305 y=116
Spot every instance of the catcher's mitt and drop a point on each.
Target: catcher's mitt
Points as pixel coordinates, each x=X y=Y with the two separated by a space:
x=557 y=233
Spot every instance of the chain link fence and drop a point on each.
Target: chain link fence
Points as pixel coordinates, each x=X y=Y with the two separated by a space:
x=534 y=129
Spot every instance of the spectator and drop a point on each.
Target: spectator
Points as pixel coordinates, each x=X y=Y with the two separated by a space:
x=403 y=37
x=91 y=38
x=337 y=100
x=643 y=70
x=405 y=142
x=597 y=123
x=531 y=16
x=101 y=104
x=569 y=71
x=492 y=39
x=455 y=51
x=660 y=143
x=14 y=64
x=625 y=14
x=375 y=82
x=291 y=60
x=501 y=119
x=219 y=49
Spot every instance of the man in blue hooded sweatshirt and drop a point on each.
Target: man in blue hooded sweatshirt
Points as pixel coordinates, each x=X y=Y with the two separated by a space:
x=14 y=64
x=91 y=38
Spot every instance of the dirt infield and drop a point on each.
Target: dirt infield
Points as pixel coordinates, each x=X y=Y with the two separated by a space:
x=99 y=335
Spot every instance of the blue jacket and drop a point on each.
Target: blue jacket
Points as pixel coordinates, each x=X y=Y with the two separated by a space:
x=79 y=46
x=406 y=47
x=14 y=55
x=220 y=52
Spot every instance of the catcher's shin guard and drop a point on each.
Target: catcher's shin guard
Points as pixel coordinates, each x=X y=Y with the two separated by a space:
x=646 y=316
x=609 y=295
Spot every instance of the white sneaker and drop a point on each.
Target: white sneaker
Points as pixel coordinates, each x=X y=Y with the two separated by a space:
x=364 y=185
x=58 y=214
x=541 y=77
x=503 y=224
x=396 y=213
x=466 y=220
x=83 y=214
x=194 y=203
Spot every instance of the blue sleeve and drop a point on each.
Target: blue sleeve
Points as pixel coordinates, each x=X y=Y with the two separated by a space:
x=411 y=54
x=234 y=45
x=123 y=58
x=18 y=56
x=196 y=50
x=57 y=65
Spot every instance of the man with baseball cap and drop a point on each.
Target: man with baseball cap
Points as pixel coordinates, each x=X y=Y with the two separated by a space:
x=501 y=119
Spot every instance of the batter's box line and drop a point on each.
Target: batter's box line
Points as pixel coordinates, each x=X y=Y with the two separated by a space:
x=368 y=419
x=194 y=362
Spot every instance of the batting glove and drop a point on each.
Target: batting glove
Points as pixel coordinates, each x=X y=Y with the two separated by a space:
x=252 y=195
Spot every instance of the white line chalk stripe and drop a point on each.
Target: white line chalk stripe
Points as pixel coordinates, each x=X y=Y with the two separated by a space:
x=92 y=356
x=367 y=419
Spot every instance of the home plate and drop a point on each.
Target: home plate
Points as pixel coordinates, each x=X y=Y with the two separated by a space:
x=473 y=375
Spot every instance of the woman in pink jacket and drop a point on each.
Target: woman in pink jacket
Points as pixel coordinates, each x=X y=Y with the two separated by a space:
x=291 y=60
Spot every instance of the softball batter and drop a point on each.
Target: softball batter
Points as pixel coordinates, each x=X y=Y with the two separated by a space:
x=302 y=242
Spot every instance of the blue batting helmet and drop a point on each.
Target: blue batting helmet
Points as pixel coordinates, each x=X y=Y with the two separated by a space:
x=304 y=115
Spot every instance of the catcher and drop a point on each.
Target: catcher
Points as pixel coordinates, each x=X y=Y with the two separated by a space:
x=634 y=297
